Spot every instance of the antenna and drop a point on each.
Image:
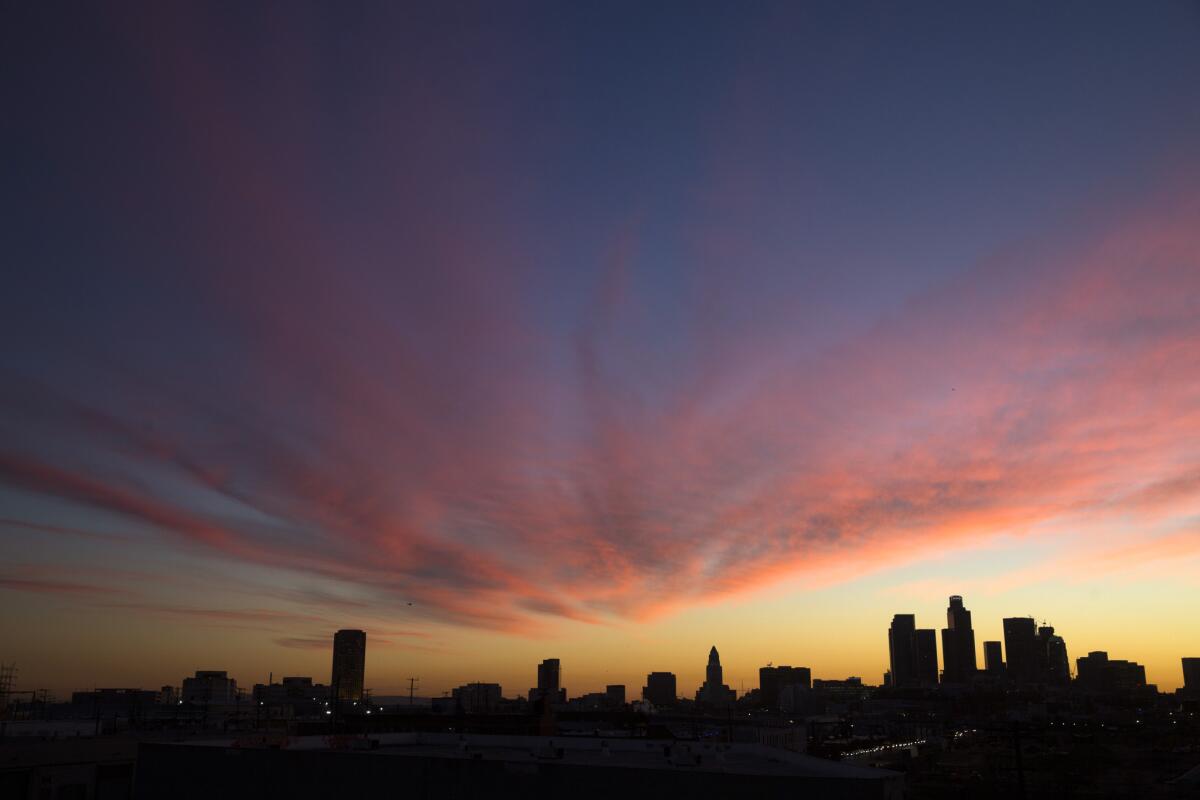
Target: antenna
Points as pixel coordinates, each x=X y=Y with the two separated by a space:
x=412 y=686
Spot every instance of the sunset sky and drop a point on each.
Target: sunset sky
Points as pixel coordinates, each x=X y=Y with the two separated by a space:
x=599 y=331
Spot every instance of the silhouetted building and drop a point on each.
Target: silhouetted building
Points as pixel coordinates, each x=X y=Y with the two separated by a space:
x=660 y=689
x=925 y=653
x=958 y=644
x=614 y=694
x=210 y=687
x=993 y=658
x=1052 y=658
x=1191 y=677
x=714 y=692
x=299 y=694
x=349 y=664
x=772 y=680
x=1020 y=643
x=477 y=698
x=549 y=682
x=1098 y=673
x=902 y=650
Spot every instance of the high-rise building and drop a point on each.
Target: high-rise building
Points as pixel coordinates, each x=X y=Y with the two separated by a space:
x=614 y=695
x=1191 y=677
x=1020 y=643
x=549 y=682
x=660 y=689
x=349 y=664
x=772 y=680
x=993 y=658
x=1099 y=673
x=714 y=692
x=958 y=644
x=1052 y=657
x=925 y=655
x=902 y=650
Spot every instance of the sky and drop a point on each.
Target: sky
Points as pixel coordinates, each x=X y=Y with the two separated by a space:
x=600 y=331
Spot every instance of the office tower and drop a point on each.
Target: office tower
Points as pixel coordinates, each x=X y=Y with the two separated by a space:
x=925 y=655
x=1099 y=673
x=714 y=692
x=1052 y=657
x=1191 y=677
x=902 y=650
x=958 y=644
x=349 y=664
x=660 y=689
x=1020 y=643
x=993 y=658
x=773 y=680
x=549 y=682
x=614 y=694
x=549 y=676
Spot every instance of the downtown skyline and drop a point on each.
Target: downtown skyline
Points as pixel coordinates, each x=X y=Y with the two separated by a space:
x=454 y=327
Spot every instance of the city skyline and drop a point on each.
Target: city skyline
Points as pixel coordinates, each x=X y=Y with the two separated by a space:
x=918 y=649
x=602 y=332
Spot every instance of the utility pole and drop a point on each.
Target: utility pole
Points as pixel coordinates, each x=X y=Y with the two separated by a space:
x=412 y=686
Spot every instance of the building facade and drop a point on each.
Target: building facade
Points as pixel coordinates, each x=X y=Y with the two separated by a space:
x=958 y=644
x=660 y=689
x=1020 y=643
x=714 y=692
x=349 y=665
x=902 y=650
x=772 y=680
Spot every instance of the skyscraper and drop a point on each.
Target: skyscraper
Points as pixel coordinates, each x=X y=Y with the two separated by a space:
x=993 y=658
x=1052 y=657
x=1020 y=643
x=1191 y=677
x=349 y=664
x=714 y=692
x=549 y=682
x=902 y=650
x=958 y=643
x=925 y=655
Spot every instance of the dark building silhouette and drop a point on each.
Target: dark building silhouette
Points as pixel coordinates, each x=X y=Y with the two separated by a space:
x=958 y=644
x=210 y=686
x=925 y=653
x=298 y=693
x=477 y=698
x=1051 y=657
x=772 y=680
x=1098 y=673
x=660 y=689
x=349 y=664
x=993 y=658
x=1020 y=643
x=714 y=692
x=614 y=694
x=1191 y=676
x=902 y=650
x=549 y=682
